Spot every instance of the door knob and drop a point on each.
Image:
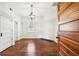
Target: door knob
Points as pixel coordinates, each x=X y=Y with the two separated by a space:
x=0 y=34
x=57 y=37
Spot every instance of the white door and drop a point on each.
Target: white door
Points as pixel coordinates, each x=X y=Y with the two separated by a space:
x=15 y=31
x=6 y=32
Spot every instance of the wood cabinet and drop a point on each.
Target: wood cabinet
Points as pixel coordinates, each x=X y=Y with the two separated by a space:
x=68 y=14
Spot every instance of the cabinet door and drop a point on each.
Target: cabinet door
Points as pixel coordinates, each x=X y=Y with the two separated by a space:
x=6 y=29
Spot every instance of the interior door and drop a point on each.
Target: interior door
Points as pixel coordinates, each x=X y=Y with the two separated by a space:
x=6 y=32
x=15 y=30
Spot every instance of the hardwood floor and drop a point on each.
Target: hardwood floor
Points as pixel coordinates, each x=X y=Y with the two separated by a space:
x=30 y=47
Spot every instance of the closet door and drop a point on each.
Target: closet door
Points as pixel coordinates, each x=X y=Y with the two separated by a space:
x=6 y=32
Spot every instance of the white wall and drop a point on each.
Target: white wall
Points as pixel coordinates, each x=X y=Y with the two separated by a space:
x=5 y=11
x=44 y=27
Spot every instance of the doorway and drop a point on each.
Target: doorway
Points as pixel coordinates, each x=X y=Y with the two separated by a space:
x=15 y=31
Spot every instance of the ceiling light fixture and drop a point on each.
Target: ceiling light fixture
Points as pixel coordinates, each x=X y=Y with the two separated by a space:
x=31 y=15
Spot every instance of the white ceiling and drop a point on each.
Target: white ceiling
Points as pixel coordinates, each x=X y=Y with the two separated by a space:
x=24 y=9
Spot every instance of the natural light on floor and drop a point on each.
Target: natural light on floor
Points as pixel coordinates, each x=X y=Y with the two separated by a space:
x=31 y=49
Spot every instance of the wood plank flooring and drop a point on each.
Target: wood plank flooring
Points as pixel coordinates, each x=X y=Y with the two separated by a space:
x=32 y=47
